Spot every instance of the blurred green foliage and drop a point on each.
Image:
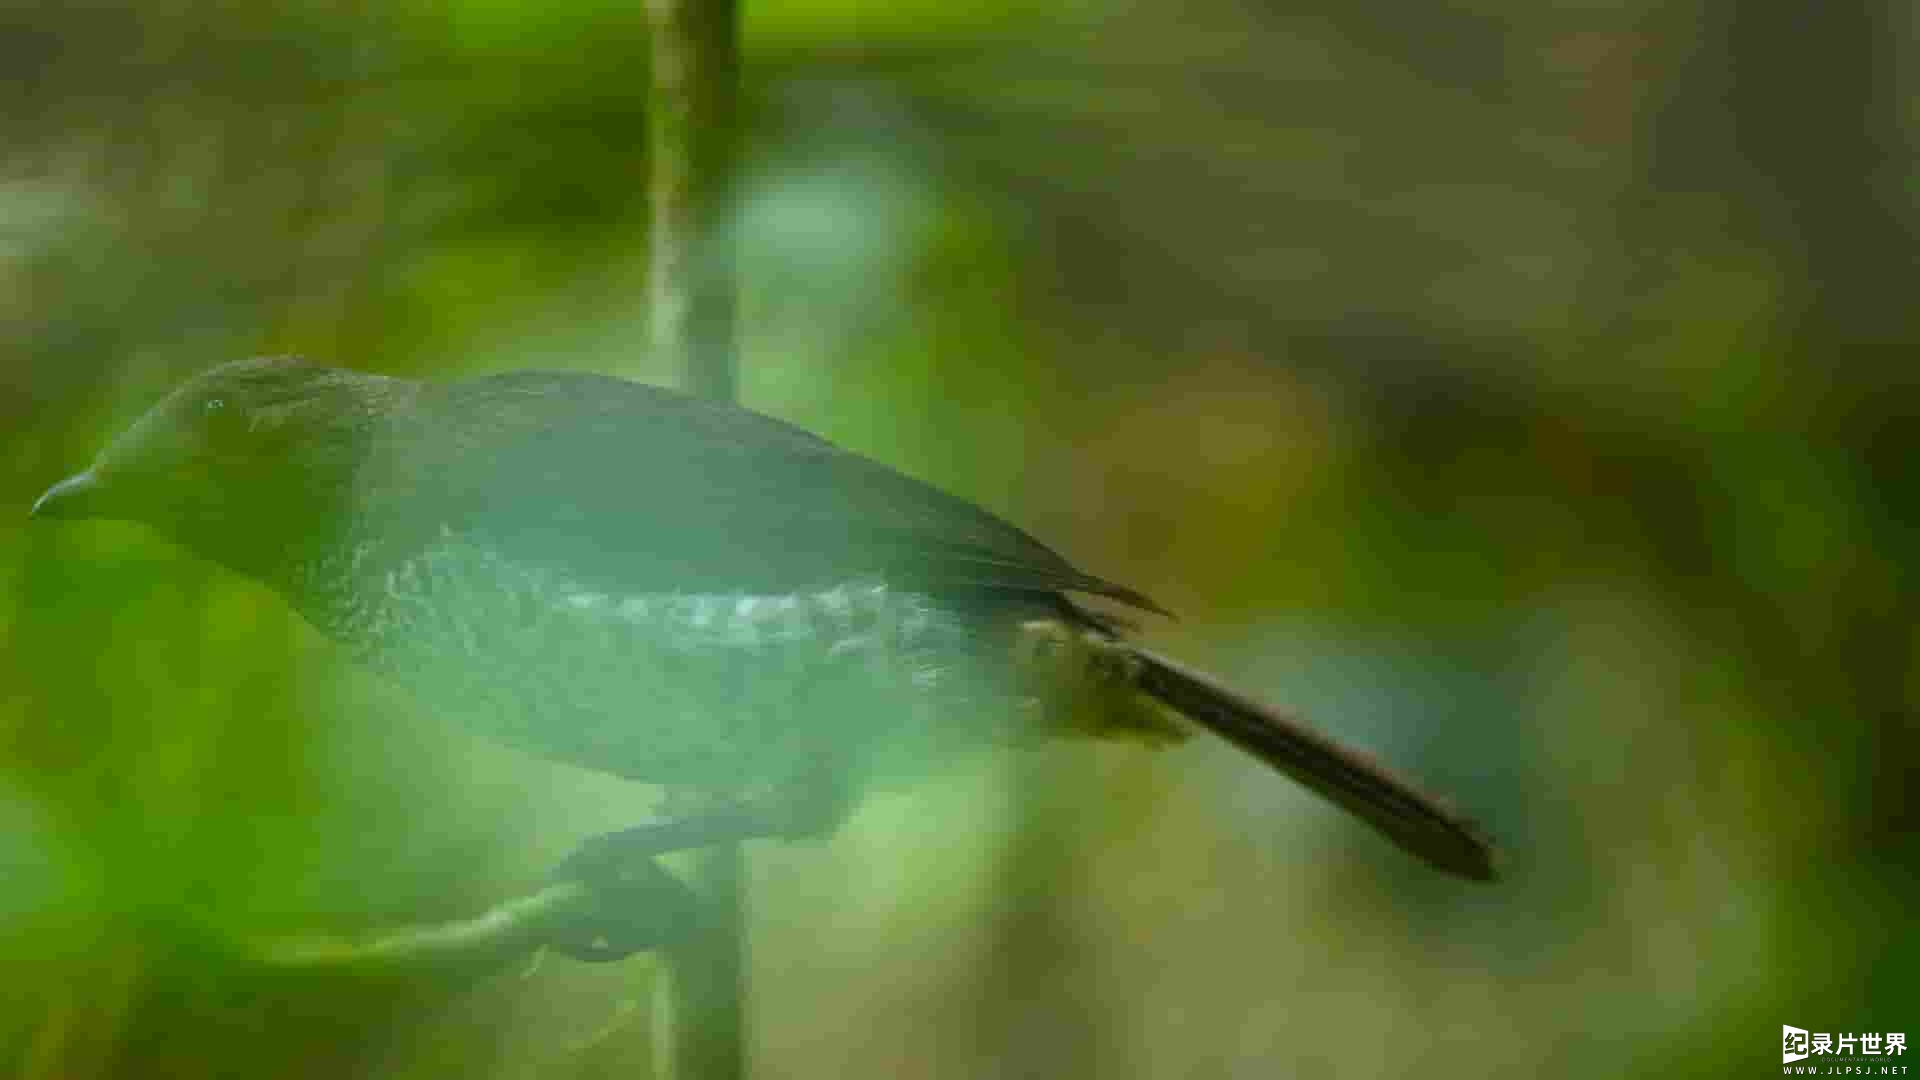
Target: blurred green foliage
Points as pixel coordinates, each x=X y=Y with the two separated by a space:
x=1526 y=391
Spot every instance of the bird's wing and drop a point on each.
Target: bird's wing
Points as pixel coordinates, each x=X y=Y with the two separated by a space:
x=646 y=489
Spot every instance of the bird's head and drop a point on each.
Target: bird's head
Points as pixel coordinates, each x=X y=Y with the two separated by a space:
x=236 y=458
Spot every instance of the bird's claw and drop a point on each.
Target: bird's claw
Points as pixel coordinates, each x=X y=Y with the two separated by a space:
x=633 y=904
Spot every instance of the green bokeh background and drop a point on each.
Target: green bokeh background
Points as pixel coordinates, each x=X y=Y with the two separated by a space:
x=1525 y=391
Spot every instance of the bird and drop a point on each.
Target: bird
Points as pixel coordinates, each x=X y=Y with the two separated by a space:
x=679 y=591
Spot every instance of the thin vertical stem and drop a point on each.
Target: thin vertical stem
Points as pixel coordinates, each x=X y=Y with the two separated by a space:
x=698 y=1015
x=693 y=133
x=693 y=125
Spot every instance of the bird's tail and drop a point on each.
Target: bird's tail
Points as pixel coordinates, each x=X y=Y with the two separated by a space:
x=1417 y=822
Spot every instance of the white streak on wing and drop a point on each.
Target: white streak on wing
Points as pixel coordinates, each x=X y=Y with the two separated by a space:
x=834 y=601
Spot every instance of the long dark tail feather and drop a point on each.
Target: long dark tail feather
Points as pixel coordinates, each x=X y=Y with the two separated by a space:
x=1417 y=822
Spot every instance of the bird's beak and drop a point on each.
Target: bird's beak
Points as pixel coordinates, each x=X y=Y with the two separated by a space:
x=74 y=497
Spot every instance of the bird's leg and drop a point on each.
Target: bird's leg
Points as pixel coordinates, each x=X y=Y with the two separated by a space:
x=637 y=904
x=811 y=801
x=621 y=867
x=608 y=853
x=643 y=906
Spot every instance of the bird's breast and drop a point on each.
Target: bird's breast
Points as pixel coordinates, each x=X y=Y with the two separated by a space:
x=700 y=688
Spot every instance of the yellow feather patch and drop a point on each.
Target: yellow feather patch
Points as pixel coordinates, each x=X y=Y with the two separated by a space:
x=1084 y=683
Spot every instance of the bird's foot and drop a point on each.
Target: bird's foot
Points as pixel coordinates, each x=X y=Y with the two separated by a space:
x=636 y=903
x=633 y=905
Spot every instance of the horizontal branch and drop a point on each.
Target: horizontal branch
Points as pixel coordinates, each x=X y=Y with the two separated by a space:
x=622 y=903
x=515 y=926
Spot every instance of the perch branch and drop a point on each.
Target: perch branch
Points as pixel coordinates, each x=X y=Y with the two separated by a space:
x=515 y=926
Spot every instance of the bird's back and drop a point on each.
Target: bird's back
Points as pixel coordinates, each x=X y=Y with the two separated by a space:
x=645 y=489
